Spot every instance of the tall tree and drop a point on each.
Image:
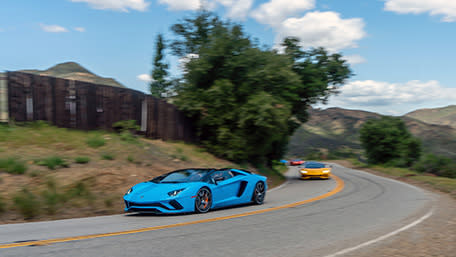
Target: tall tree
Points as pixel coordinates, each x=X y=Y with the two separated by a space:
x=245 y=99
x=159 y=85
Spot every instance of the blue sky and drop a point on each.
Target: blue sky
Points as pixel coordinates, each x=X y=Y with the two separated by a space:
x=402 y=52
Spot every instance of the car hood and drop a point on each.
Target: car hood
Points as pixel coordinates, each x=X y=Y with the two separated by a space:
x=150 y=191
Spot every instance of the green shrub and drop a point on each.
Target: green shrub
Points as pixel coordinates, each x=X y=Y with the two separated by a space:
x=95 y=141
x=51 y=197
x=52 y=162
x=107 y=156
x=13 y=165
x=27 y=203
x=79 y=190
x=438 y=165
x=128 y=137
x=130 y=159
x=5 y=132
x=126 y=125
x=387 y=140
x=127 y=129
x=82 y=159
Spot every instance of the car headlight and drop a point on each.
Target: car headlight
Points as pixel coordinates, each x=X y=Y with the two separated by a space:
x=326 y=171
x=304 y=171
x=175 y=192
x=129 y=191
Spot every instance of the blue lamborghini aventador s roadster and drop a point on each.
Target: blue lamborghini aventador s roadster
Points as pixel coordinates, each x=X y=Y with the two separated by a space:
x=196 y=190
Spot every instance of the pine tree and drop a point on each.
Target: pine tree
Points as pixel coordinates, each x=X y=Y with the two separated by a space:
x=159 y=85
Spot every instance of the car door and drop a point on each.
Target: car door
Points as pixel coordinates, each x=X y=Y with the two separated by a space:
x=228 y=185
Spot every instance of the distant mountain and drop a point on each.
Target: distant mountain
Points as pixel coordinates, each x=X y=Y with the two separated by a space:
x=74 y=71
x=336 y=128
x=438 y=116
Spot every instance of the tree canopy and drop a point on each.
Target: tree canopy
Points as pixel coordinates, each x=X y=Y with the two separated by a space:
x=247 y=100
x=387 y=140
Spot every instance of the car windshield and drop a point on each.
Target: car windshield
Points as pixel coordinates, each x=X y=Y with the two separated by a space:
x=314 y=165
x=182 y=176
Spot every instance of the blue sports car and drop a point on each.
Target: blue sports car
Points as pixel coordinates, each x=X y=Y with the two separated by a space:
x=196 y=190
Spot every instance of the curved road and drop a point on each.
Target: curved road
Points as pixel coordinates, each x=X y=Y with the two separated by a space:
x=367 y=208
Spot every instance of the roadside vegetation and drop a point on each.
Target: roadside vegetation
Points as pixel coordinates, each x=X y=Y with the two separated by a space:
x=443 y=184
x=389 y=148
x=53 y=173
x=13 y=165
x=423 y=177
x=387 y=141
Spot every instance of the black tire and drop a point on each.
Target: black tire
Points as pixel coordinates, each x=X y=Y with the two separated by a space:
x=259 y=193
x=203 y=200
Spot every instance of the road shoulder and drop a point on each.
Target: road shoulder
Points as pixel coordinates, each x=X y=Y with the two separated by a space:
x=436 y=236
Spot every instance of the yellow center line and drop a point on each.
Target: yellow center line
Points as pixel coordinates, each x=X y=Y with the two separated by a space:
x=337 y=189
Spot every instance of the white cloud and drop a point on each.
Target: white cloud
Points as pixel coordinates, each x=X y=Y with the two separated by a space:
x=445 y=8
x=325 y=29
x=393 y=98
x=354 y=59
x=117 y=5
x=183 y=5
x=53 y=28
x=144 y=77
x=276 y=11
x=237 y=9
x=79 y=29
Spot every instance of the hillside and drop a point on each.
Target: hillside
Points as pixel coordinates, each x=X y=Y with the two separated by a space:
x=53 y=173
x=439 y=116
x=334 y=129
x=74 y=71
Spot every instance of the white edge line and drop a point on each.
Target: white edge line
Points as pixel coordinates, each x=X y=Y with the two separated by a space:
x=347 y=250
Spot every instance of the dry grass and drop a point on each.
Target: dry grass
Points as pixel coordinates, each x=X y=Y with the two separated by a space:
x=105 y=180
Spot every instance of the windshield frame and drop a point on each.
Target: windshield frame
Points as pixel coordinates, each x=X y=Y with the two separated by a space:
x=314 y=165
x=205 y=173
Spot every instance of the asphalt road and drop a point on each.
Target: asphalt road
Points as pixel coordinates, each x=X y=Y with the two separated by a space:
x=367 y=208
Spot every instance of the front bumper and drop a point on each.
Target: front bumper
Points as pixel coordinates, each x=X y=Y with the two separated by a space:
x=322 y=176
x=167 y=206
